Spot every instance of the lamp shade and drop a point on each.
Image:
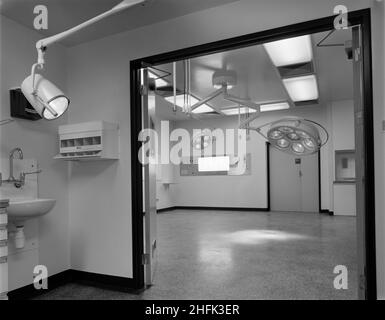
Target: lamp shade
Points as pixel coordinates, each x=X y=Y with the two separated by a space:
x=47 y=99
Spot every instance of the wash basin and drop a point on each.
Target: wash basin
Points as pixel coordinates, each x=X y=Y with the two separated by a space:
x=20 y=210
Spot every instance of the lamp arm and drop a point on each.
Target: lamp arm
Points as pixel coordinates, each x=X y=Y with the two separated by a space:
x=43 y=44
x=207 y=99
x=243 y=102
x=247 y=121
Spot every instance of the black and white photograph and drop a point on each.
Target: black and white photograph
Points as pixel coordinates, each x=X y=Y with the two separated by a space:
x=192 y=158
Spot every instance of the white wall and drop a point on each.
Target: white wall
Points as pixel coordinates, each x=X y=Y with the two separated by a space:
x=248 y=190
x=99 y=87
x=38 y=140
x=343 y=124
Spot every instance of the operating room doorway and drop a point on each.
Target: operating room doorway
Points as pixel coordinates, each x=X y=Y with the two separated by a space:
x=365 y=217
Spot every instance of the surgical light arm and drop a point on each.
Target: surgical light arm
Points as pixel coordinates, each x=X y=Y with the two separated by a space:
x=43 y=44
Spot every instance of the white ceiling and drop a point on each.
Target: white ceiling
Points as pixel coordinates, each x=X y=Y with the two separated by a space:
x=258 y=79
x=64 y=14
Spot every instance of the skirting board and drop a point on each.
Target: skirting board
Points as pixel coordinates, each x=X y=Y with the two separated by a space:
x=75 y=276
x=29 y=291
x=210 y=208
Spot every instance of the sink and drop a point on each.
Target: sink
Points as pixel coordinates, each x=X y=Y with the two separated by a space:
x=21 y=210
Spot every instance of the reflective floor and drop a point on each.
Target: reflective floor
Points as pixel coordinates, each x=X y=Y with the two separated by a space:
x=244 y=255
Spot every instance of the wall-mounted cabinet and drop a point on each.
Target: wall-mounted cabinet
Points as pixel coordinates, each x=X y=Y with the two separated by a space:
x=345 y=166
x=97 y=140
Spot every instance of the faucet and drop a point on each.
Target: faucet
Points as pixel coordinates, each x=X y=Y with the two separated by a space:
x=21 y=182
x=11 y=157
x=18 y=183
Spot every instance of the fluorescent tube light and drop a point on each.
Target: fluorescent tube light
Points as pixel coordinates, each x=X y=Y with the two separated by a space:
x=210 y=164
x=235 y=111
x=204 y=108
x=290 y=51
x=159 y=82
x=302 y=88
x=274 y=106
x=180 y=100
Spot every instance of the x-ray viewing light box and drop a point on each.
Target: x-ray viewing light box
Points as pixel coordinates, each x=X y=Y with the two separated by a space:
x=207 y=164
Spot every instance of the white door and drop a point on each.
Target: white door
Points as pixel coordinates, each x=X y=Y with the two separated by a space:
x=149 y=185
x=293 y=182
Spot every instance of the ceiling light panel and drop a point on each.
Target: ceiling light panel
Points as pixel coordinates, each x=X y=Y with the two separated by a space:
x=181 y=99
x=159 y=82
x=290 y=51
x=274 y=106
x=236 y=111
x=302 y=88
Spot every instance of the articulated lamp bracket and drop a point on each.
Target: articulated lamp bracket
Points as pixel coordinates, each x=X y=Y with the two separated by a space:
x=41 y=93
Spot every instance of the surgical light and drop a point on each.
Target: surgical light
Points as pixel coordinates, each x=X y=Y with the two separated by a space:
x=47 y=99
x=202 y=140
x=294 y=135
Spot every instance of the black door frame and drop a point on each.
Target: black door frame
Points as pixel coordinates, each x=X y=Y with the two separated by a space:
x=359 y=17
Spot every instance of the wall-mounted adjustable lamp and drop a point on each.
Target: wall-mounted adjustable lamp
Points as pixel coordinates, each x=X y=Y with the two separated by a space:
x=48 y=100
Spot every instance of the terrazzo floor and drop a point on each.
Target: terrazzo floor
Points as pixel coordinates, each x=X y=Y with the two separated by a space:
x=243 y=255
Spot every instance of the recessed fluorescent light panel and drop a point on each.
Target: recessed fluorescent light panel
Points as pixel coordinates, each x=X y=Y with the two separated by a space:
x=236 y=111
x=210 y=164
x=274 y=106
x=159 y=82
x=180 y=100
x=290 y=51
x=302 y=88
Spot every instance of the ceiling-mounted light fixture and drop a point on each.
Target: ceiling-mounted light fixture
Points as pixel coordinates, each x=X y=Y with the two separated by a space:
x=159 y=81
x=294 y=135
x=303 y=88
x=237 y=110
x=274 y=106
x=180 y=101
x=48 y=100
x=290 y=51
x=264 y=107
